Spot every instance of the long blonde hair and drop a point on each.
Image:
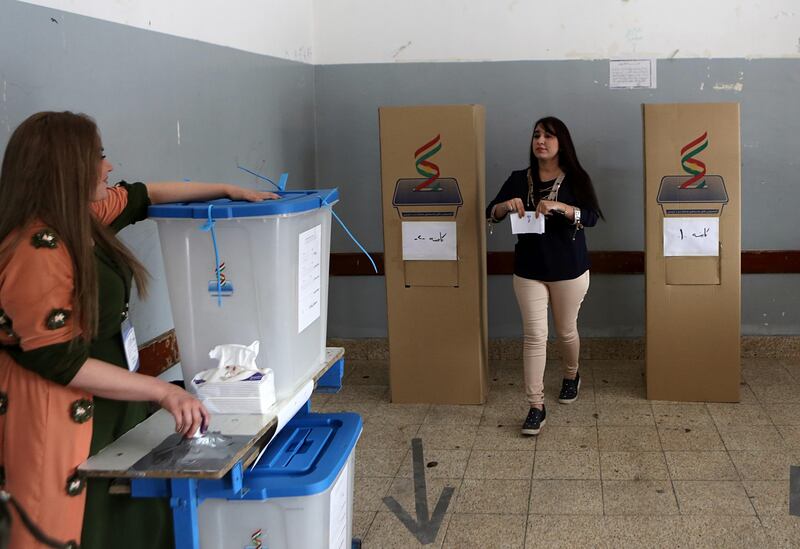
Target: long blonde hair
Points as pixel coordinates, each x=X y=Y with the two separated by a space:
x=50 y=172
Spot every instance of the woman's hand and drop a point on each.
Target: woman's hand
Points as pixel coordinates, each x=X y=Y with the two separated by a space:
x=240 y=193
x=509 y=206
x=108 y=381
x=549 y=207
x=189 y=413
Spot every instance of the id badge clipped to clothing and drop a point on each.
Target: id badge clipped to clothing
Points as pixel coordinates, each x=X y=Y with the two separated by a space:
x=129 y=342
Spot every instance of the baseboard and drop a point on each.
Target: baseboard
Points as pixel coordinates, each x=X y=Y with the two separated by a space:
x=600 y=348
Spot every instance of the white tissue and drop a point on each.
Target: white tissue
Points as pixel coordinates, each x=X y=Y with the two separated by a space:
x=236 y=362
x=237 y=385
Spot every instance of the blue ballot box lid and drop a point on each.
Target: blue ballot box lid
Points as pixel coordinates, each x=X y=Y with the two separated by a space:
x=289 y=202
x=305 y=457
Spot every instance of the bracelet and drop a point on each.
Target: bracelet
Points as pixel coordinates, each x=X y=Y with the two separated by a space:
x=492 y=218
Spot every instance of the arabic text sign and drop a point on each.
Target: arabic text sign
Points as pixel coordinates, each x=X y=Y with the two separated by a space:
x=632 y=73
x=429 y=240
x=691 y=236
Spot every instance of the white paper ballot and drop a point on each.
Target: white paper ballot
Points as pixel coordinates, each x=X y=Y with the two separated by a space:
x=691 y=236
x=429 y=240
x=528 y=223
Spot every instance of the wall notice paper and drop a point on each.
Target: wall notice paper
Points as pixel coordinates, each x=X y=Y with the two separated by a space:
x=528 y=223
x=629 y=74
x=691 y=236
x=429 y=241
x=309 y=273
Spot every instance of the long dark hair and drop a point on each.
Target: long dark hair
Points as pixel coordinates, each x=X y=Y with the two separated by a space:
x=567 y=161
x=50 y=173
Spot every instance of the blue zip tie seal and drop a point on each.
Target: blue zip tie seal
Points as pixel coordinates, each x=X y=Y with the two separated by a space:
x=353 y=238
x=208 y=226
x=280 y=185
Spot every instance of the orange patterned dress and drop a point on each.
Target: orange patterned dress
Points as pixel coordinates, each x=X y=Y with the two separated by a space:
x=46 y=427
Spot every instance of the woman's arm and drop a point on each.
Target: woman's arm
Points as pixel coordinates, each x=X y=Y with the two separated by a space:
x=588 y=217
x=195 y=191
x=506 y=200
x=112 y=382
x=549 y=207
x=501 y=209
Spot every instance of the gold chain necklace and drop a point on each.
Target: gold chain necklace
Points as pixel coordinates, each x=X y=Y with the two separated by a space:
x=553 y=190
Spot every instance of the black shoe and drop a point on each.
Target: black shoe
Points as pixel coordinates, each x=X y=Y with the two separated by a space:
x=534 y=421
x=569 y=390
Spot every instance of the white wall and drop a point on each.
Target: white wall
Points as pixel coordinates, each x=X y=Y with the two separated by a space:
x=279 y=28
x=330 y=32
x=386 y=31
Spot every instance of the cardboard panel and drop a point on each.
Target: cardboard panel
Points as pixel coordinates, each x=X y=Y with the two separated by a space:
x=432 y=170
x=691 y=270
x=693 y=304
x=431 y=273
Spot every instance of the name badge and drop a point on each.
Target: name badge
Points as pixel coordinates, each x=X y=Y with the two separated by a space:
x=131 y=348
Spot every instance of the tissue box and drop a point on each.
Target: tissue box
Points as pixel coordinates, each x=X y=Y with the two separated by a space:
x=254 y=395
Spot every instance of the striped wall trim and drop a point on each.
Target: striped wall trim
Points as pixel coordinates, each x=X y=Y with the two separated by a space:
x=614 y=262
x=159 y=354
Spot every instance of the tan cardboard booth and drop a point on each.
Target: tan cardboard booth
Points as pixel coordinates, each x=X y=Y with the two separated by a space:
x=693 y=251
x=433 y=188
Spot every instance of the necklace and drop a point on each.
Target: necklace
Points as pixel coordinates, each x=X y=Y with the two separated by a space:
x=553 y=190
x=530 y=200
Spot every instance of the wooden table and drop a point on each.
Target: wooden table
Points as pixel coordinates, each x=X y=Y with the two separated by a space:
x=186 y=489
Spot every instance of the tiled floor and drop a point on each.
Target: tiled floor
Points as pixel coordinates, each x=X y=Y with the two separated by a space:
x=611 y=470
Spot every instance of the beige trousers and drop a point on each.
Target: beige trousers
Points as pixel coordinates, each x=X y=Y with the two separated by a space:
x=565 y=298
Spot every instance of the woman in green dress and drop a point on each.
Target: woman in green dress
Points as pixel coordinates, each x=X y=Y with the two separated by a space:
x=67 y=388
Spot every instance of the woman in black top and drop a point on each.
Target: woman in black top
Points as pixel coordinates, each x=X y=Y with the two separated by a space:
x=552 y=267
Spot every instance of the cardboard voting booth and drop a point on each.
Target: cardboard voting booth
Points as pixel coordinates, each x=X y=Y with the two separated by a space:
x=432 y=181
x=693 y=251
